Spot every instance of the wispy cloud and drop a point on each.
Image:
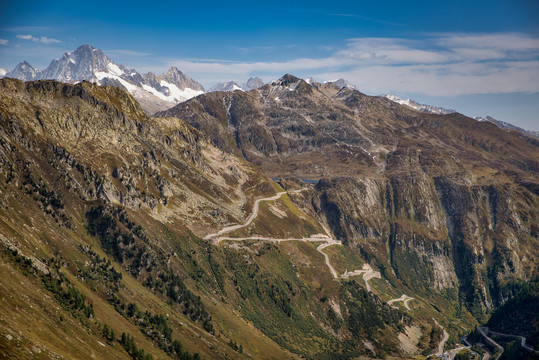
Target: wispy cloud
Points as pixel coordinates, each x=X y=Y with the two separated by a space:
x=439 y=65
x=41 y=39
x=4 y=42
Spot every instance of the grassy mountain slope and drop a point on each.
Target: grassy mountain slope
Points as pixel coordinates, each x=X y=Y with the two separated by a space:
x=103 y=209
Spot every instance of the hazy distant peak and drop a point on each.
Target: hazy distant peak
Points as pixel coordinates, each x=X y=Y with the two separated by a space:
x=253 y=83
x=226 y=86
x=342 y=83
x=24 y=71
x=420 y=107
x=506 y=125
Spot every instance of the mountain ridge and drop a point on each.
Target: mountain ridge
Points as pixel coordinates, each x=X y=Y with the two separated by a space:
x=289 y=128
x=439 y=207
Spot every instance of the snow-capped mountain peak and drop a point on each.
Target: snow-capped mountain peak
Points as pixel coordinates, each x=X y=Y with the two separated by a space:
x=24 y=71
x=78 y=65
x=3 y=72
x=250 y=84
x=182 y=81
x=420 y=107
x=154 y=93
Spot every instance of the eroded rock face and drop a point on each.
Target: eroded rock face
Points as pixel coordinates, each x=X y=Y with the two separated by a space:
x=438 y=233
x=106 y=148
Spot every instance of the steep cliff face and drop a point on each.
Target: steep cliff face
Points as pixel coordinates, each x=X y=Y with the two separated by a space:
x=442 y=202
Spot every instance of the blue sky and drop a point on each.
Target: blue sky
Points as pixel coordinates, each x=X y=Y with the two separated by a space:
x=478 y=57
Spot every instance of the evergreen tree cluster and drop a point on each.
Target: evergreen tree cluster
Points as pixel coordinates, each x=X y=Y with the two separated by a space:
x=129 y=245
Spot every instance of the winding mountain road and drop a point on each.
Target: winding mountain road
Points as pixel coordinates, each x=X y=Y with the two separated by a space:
x=404 y=298
x=481 y=330
x=441 y=345
x=256 y=208
x=522 y=340
x=327 y=241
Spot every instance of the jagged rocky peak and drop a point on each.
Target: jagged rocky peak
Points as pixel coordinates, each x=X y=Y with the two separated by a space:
x=253 y=83
x=80 y=64
x=24 y=71
x=151 y=79
x=288 y=79
x=182 y=81
x=291 y=84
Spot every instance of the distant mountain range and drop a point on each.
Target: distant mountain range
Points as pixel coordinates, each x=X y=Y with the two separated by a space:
x=420 y=107
x=160 y=92
x=250 y=84
x=154 y=93
x=506 y=125
x=443 y=111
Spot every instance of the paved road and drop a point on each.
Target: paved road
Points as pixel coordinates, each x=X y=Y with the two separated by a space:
x=322 y=247
x=404 y=298
x=216 y=238
x=256 y=208
x=522 y=340
x=453 y=352
x=481 y=330
x=367 y=272
x=441 y=345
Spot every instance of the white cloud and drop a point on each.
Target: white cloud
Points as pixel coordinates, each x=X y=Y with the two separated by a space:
x=47 y=40
x=42 y=39
x=438 y=65
x=502 y=42
x=4 y=42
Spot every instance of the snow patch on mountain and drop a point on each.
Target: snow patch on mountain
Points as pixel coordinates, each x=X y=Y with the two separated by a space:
x=178 y=95
x=114 y=69
x=100 y=75
x=420 y=107
x=3 y=72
